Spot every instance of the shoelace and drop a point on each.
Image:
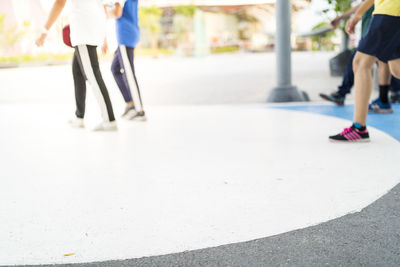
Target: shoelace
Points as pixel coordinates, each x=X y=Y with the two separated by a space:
x=346 y=130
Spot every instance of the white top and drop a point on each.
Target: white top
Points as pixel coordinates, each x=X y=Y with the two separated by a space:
x=87 y=22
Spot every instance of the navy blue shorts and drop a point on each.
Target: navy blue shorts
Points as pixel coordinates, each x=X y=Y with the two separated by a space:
x=383 y=38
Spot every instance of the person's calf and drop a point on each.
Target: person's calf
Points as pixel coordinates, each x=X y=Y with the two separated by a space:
x=395 y=68
x=363 y=64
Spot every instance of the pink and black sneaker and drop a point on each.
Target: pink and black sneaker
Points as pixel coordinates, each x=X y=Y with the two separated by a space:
x=351 y=134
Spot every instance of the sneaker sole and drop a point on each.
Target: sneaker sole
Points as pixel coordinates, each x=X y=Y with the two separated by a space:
x=381 y=111
x=327 y=99
x=76 y=126
x=351 y=141
x=138 y=118
x=106 y=130
x=130 y=113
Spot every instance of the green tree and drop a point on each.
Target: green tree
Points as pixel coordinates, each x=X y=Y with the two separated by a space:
x=339 y=7
x=322 y=41
x=149 y=22
x=183 y=22
x=187 y=11
x=248 y=24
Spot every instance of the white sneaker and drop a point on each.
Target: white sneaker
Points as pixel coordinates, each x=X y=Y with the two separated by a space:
x=76 y=123
x=106 y=126
x=130 y=114
x=137 y=116
x=128 y=110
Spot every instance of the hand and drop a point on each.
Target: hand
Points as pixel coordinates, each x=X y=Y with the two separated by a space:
x=351 y=24
x=41 y=39
x=104 y=48
x=335 y=22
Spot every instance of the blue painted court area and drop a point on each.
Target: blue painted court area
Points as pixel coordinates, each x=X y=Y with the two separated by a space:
x=388 y=123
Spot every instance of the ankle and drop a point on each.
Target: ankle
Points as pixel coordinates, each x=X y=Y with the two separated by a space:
x=359 y=126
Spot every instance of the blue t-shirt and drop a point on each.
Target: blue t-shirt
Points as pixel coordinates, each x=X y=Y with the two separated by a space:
x=128 y=32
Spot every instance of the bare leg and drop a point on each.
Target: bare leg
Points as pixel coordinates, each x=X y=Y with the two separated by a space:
x=363 y=64
x=395 y=68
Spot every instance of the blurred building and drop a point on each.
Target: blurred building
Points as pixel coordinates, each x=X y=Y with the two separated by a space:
x=216 y=24
x=247 y=24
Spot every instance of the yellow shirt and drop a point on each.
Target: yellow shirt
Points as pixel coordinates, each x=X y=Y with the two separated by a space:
x=387 y=7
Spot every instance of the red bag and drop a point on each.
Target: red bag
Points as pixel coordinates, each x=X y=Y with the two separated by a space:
x=66 y=32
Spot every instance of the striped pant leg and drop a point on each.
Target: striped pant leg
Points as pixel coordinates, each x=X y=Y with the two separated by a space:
x=80 y=85
x=118 y=72
x=128 y=65
x=90 y=65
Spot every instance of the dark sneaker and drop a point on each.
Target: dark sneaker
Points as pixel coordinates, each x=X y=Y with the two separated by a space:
x=351 y=134
x=395 y=97
x=378 y=107
x=137 y=116
x=128 y=110
x=334 y=97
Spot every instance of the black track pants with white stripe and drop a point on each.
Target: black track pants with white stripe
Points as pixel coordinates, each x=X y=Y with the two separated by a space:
x=123 y=69
x=85 y=67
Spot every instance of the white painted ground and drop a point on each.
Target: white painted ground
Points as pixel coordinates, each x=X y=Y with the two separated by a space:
x=217 y=79
x=189 y=178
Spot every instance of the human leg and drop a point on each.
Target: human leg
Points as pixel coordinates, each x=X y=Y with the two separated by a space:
x=339 y=96
x=90 y=65
x=395 y=90
x=348 y=78
x=384 y=81
x=394 y=66
x=382 y=104
x=127 y=59
x=363 y=64
x=80 y=85
x=118 y=72
x=382 y=41
x=394 y=84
